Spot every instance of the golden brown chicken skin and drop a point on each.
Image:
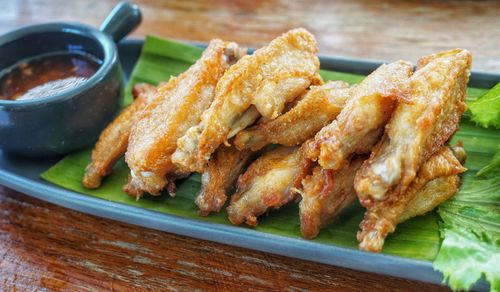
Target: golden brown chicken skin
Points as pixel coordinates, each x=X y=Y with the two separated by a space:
x=437 y=181
x=266 y=184
x=434 y=193
x=113 y=141
x=263 y=83
x=177 y=106
x=325 y=194
x=218 y=179
x=420 y=125
x=360 y=123
x=318 y=107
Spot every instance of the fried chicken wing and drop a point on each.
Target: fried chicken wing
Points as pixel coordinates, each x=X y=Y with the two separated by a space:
x=265 y=81
x=318 y=107
x=430 y=196
x=325 y=193
x=360 y=123
x=223 y=169
x=419 y=126
x=437 y=181
x=266 y=184
x=177 y=106
x=113 y=141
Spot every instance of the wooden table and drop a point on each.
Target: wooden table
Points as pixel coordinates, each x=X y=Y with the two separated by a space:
x=46 y=246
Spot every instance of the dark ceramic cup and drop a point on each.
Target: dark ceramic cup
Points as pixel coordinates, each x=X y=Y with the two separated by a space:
x=71 y=119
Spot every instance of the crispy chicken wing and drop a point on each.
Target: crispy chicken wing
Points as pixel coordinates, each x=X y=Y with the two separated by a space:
x=223 y=169
x=113 y=141
x=360 y=123
x=419 y=126
x=437 y=181
x=318 y=107
x=177 y=106
x=266 y=184
x=430 y=196
x=325 y=193
x=263 y=82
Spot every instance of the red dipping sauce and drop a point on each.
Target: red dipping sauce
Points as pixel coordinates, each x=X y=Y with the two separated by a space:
x=46 y=75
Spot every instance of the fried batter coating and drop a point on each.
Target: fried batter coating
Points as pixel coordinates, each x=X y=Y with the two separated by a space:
x=266 y=184
x=223 y=169
x=318 y=107
x=360 y=123
x=437 y=181
x=177 y=107
x=325 y=194
x=419 y=126
x=113 y=141
x=265 y=81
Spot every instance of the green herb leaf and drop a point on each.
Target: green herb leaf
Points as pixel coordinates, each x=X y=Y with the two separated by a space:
x=465 y=257
x=486 y=109
x=471 y=229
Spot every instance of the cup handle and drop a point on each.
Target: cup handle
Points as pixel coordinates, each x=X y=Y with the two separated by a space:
x=123 y=19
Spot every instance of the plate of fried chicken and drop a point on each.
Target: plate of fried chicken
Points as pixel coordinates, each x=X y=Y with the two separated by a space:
x=264 y=130
x=381 y=141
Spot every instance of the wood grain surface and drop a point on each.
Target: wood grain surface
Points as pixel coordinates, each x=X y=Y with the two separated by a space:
x=380 y=30
x=46 y=247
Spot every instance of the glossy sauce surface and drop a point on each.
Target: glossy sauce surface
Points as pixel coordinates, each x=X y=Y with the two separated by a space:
x=46 y=75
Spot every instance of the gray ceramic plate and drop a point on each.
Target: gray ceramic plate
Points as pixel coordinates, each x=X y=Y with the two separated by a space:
x=23 y=174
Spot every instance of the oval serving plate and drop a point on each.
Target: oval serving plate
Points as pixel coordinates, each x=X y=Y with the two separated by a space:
x=23 y=175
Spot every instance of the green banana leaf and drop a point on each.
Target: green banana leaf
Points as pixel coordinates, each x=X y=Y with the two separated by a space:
x=418 y=238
